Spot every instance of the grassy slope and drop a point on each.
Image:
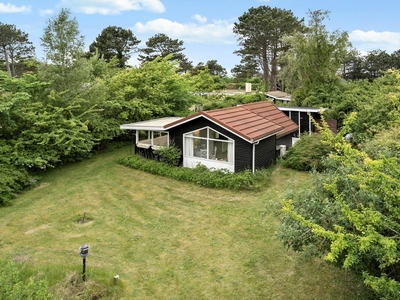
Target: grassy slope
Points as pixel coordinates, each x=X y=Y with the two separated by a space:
x=165 y=239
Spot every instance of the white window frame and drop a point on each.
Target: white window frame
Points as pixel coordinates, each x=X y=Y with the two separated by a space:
x=190 y=160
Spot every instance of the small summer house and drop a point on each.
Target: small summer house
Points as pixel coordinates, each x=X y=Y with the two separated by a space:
x=236 y=138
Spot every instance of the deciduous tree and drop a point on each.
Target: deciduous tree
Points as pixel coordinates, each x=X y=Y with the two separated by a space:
x=153 y=90
x=314 y=57
x=61 y=40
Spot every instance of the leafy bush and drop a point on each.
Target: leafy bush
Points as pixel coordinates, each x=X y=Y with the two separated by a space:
x=200 y=175
x=386 y=143
x=350 y=215
x=306 y=154
x=12 y=286
x=12 y=180
x=170 y=155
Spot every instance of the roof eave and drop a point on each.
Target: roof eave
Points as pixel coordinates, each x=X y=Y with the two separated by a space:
x=152 y=128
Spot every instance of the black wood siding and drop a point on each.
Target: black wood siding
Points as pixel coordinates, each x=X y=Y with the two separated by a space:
x=243 y=149
x=265 y=152
x=286 y=140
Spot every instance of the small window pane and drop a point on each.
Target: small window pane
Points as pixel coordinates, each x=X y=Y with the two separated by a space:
x=200 y=133
x=220 y=151
x=199 y=148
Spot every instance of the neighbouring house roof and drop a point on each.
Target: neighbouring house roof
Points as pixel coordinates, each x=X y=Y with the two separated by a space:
x=278 y=95
x=153 y=125
x=252 y=122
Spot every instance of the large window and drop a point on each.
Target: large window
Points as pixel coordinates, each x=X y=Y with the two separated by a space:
x=209 y=144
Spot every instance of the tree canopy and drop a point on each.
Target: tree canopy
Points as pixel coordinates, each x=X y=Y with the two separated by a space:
x=61 y=40
x=115 y=41
x=314 y=57
x=15 y=47
x=160 y=45
x=259 y=32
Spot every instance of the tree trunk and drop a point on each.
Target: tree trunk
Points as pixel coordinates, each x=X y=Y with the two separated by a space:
x=265 y=67
x=274 y=74
x=6 y=59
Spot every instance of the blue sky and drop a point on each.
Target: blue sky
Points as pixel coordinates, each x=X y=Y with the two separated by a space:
x=205 y=26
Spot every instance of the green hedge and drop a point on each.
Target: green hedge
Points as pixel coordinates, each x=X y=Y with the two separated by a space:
x=200 y=175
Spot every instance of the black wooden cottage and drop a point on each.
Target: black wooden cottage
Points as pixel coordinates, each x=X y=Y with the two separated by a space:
x=235 y=138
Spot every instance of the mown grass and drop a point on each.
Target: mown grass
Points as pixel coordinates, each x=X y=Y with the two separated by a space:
x=165 y=239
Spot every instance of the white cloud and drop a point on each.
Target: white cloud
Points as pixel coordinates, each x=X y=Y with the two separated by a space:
x=45 y=12
x=11 y=8
x=199 y=18
x=372 y=40
x=114 y=7
x=216 y=32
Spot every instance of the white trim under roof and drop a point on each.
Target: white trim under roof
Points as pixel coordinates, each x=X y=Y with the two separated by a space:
x=301 y=109
x=152 y=125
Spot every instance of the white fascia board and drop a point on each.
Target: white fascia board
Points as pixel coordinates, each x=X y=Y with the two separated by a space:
x=301 y=109
x=149 y=128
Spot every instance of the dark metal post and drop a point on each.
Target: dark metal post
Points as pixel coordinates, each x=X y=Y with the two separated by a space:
x=84 y=270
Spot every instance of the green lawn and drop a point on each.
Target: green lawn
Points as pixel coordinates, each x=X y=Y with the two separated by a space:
x=165 y=239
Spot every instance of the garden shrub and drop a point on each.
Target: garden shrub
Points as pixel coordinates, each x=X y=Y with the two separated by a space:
x=200 y=175
x=307 y=153
x=170 y=155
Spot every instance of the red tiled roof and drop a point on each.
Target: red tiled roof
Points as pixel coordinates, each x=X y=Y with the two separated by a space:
x=252 y=121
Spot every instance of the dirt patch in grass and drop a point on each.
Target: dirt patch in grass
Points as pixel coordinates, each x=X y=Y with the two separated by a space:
x=21 y=258
x=41 y=227
x=42 y=185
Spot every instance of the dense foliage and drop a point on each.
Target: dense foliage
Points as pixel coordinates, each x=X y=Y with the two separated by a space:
x=350 y=215
x=313 y=58
x=307 y=154
x=200 y=175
